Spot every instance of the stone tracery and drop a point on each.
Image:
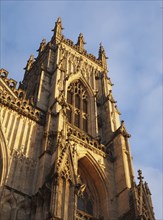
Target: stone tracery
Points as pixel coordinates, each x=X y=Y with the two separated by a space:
x=77 y=100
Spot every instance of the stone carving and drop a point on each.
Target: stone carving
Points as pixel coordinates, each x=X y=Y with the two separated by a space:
x=86 y=140
x=42 y=46
x=20 y=105
x=80 y=187
x=14 y=205
x=123 y=130
x=81 y=42
x=66 y=172
x=61 y=99
x=29 y=63
x=18 y=155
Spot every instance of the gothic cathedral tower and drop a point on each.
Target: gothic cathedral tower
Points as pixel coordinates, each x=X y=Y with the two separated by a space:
x=64 y=152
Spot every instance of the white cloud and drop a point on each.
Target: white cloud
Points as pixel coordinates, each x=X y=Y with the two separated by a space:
x=131 y=35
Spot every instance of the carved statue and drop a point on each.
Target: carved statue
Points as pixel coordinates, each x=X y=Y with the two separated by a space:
x=80 y=187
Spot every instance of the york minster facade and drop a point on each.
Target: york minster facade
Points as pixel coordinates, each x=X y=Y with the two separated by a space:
x=64 y=153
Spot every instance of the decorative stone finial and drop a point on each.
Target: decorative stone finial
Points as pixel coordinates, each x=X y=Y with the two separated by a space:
x=59 y=19
x=122 y=123
x=101 y=50
x=42 y=45
x=81 y=42
x=102 y=56
x=123 y=130
x=110 y=97
x=58 y=29
x=29 y=63
x=140 y=177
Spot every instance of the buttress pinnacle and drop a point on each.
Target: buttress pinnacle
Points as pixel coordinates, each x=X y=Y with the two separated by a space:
x=102 y=56
x=58 y=29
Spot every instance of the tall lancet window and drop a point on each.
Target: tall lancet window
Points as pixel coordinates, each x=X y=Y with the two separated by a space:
x=77 y=110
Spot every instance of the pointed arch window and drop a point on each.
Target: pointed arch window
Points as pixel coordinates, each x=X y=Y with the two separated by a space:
x=77 y=110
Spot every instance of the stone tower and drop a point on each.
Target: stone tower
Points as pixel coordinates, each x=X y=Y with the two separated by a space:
x=64 y=153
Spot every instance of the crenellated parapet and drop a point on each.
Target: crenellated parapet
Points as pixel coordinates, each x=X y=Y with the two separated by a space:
x=15 y=99
x=86 y=140
x=83 y=52
x=11 y=83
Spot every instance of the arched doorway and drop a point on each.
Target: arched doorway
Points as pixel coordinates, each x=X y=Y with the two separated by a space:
x=93 y=203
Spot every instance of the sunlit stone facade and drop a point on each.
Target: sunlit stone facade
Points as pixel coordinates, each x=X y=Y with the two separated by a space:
x=64 y=153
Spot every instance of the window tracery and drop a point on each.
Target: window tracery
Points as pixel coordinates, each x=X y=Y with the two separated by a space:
x=77 y=110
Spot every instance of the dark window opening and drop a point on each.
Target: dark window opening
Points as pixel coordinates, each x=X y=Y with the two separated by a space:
x=85 y=126
x=69 y=97
x=69 y=115
x=84 y=106
x=77 y=120
x=77 y=109
x=81 y=204
x=85 y=205
x=89 y=207
x=77 y=101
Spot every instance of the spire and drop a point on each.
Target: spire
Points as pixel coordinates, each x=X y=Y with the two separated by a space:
x=102 y=56
x=42 y=45
x=81 y=42
x=58 y=29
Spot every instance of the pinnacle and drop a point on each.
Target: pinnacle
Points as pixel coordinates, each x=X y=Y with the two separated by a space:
x=140 y=177
x=59 y=19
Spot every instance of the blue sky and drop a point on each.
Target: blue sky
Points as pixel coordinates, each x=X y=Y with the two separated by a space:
x=131 y=33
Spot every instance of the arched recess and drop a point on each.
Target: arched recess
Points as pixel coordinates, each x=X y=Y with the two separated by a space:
x=95 y=197
x=5 y=213
x=23 y=209
x=3 y=158
x=91 y=109
x=21 y=214
x=8 y=206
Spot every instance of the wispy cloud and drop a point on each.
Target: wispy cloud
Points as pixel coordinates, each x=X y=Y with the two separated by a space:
x=131 y=34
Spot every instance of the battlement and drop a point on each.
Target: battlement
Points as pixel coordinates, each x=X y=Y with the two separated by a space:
x=83 y=52
x=10 y=82
x=59 y=38
x=16 y=98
